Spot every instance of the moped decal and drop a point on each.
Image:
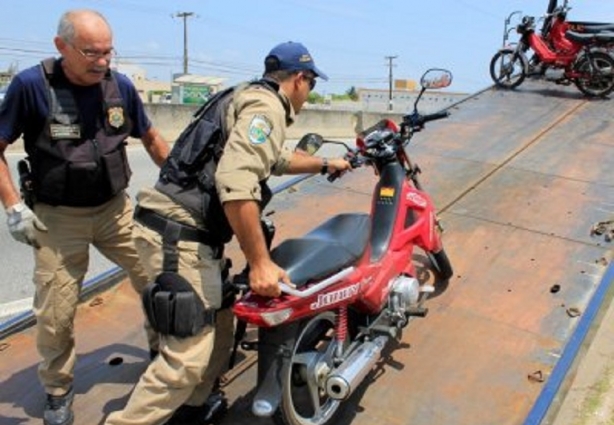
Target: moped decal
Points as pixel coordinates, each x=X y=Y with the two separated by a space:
x=416 y=199
x=335 y=296
x=386 y=192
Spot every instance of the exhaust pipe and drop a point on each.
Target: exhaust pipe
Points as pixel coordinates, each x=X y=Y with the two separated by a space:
x=344 y=380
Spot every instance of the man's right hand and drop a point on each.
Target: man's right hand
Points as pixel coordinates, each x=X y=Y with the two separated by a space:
x=264 y=278
x=23 y=224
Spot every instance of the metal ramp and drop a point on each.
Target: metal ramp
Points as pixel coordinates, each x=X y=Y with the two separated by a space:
x=519 y=177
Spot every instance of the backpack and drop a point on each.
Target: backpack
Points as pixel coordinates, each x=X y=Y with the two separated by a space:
x=188 y=174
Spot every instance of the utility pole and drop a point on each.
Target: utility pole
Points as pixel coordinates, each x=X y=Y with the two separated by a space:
x=185 y=16
x=390 y=59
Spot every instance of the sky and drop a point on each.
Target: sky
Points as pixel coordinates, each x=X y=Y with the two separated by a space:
x=358 y=43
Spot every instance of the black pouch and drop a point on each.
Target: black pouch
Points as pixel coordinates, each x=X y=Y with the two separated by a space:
x=173 y=307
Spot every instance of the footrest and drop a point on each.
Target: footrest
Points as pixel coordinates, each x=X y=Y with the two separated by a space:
x=417 y=311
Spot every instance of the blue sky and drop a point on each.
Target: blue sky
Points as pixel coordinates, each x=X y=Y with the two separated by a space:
x=349 y=39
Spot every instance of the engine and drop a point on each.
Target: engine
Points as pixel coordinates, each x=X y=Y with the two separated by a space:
x=403 y=296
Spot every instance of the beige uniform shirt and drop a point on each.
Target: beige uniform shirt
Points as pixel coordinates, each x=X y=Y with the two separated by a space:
x=256 y=123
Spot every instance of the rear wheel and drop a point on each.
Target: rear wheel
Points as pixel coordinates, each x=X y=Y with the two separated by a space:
x=508 y=68
x=597 y=77
x=304 y=399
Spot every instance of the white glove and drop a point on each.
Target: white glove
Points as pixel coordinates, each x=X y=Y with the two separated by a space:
x=23 y=224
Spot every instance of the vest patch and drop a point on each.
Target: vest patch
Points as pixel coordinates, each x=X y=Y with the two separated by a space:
x=259 y=129
x=61 y=131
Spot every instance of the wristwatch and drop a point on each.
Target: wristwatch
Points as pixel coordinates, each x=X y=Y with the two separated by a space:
x=324 y=168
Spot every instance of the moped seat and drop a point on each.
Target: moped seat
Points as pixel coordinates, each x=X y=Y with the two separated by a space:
x=333 y=245
x=597 y=28
x=590 y=38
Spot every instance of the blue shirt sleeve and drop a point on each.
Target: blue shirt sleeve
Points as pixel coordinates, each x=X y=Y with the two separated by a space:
x=134 y=106
x=24 y=109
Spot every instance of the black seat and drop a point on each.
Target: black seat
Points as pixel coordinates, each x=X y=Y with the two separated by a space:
x=335 y=244
x=597 y=28
x=590 y=38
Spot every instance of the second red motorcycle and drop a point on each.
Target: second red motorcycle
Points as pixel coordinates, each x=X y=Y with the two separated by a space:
x=559 y=55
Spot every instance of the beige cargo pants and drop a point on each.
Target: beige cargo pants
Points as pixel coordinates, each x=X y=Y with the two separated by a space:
x=186 y=369
x=61 y=264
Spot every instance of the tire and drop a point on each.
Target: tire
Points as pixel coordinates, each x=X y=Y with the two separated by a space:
x=441 y=263
x=304 y=401
x=592 y=83
x=508 y=68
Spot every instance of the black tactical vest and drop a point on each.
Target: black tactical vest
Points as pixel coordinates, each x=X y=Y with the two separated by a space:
x=69 y=169
x=188 y=174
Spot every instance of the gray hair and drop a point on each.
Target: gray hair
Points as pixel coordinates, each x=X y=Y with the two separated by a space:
x=66 y=27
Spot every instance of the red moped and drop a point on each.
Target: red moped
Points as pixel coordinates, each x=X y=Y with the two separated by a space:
x=562 y=35
x=559 y=54
x=354 y=281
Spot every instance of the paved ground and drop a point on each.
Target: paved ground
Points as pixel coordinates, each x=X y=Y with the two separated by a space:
x=587 y=396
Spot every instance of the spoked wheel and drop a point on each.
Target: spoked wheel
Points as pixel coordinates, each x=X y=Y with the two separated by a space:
x=508 y=68
x=597 y=79
x=304 y=399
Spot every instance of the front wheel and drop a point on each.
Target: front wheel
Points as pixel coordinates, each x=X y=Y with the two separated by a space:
x=304 y=399
x=597 y=74
x=508 y=68
x=441 y=263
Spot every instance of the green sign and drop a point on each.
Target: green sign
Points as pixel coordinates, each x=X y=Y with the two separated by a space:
x=194 y=94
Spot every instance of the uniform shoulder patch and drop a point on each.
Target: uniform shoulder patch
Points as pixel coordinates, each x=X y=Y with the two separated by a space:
x=259 y=129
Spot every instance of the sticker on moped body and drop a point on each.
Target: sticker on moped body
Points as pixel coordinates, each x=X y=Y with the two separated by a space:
x=416 y=199
x=386 y=192
x=335 y=296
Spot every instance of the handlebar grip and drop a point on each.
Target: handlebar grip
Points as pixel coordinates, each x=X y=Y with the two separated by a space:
x=436 y=116
x=333 y=176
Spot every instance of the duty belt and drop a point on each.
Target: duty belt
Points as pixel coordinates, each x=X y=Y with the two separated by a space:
x=181 y=231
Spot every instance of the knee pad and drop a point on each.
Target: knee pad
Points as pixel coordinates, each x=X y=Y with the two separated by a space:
x=173 y=307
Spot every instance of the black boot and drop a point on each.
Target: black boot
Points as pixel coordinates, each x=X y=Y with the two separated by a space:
x=212 y=410
x=58 y=409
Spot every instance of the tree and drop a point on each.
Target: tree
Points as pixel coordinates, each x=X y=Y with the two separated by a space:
x=315 y=98
x=352 y=93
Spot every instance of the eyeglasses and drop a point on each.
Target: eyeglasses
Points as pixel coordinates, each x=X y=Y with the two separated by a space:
x=312 y=81
x=93 y=56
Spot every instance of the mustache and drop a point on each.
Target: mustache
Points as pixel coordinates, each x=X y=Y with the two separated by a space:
x=99 y=69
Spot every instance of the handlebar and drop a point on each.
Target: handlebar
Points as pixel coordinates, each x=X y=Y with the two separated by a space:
x=417 y=121
x=384 y=139
x=354 y=160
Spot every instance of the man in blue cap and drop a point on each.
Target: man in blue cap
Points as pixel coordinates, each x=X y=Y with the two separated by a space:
x=177 y=386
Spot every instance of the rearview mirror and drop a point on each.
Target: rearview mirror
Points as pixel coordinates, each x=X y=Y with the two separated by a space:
x=309 y=143
x=436 y=79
